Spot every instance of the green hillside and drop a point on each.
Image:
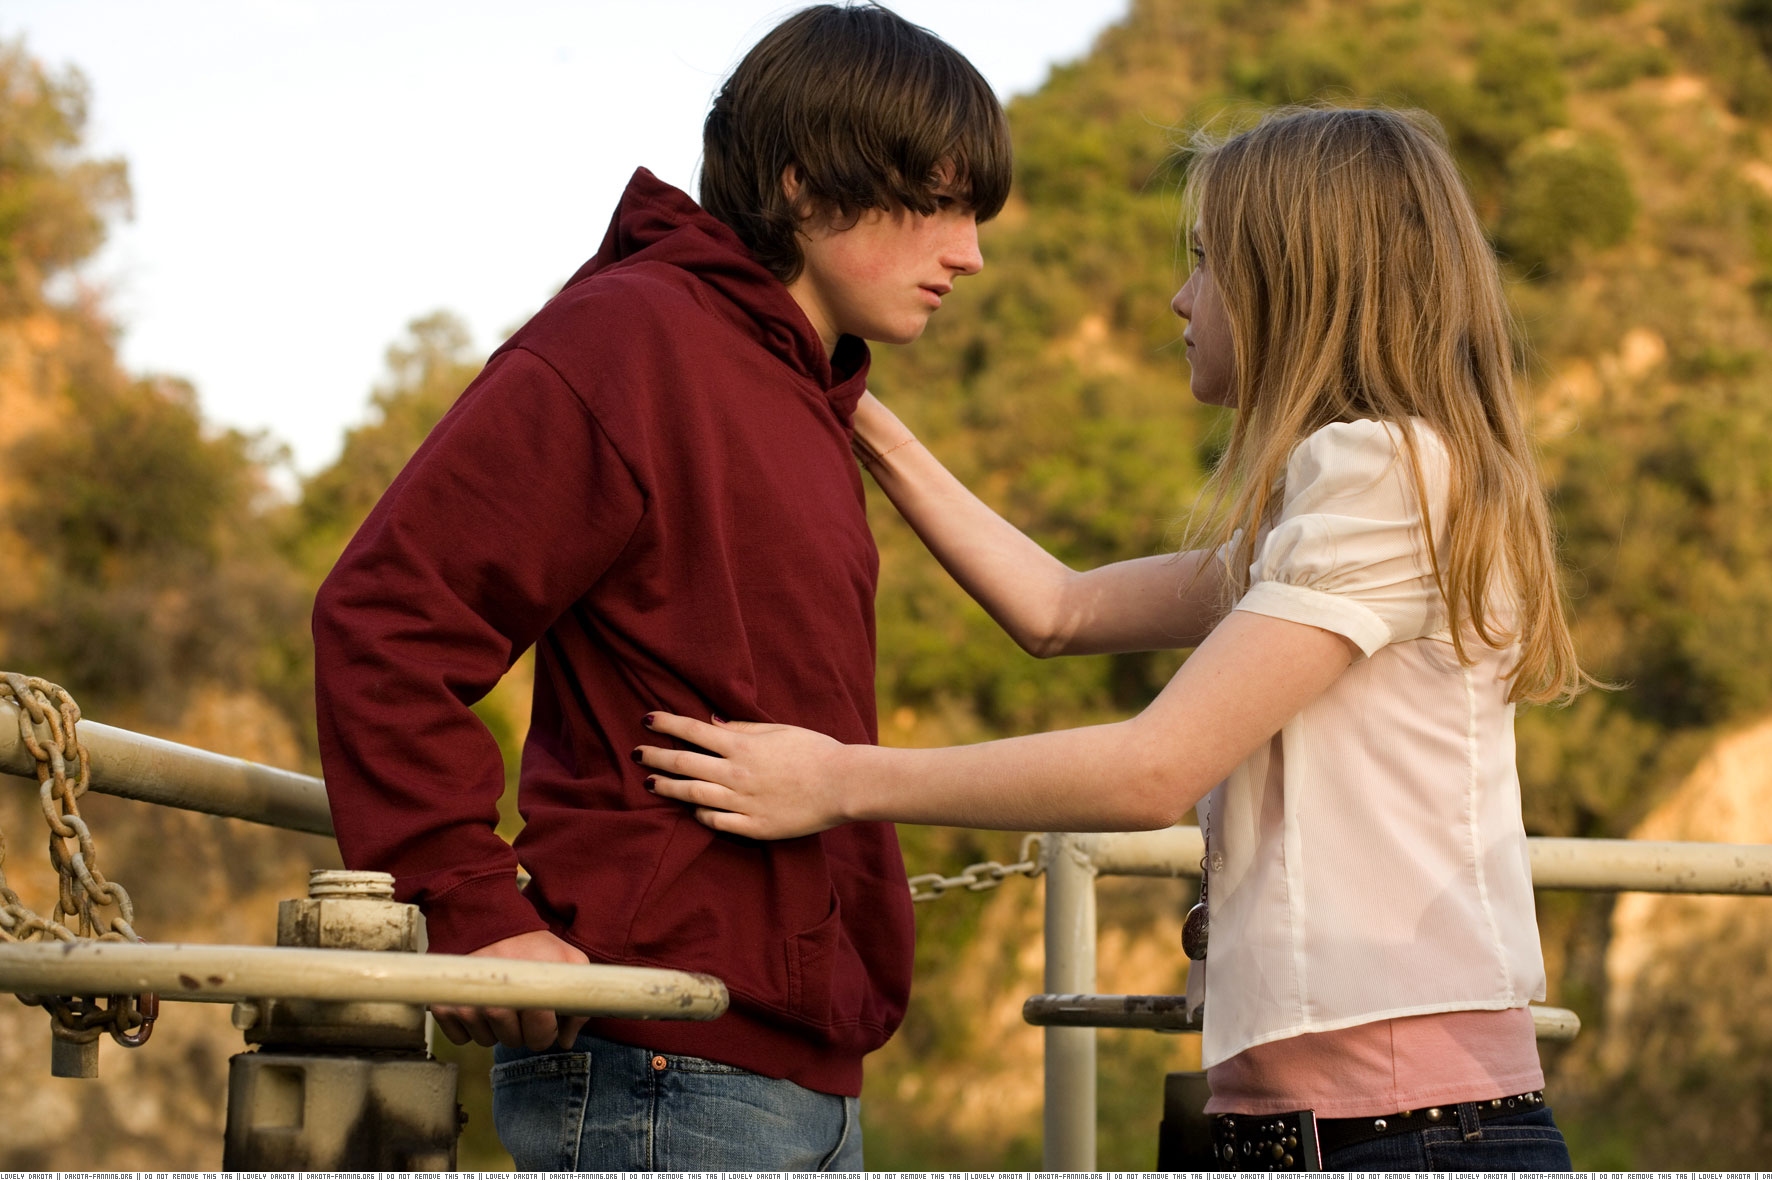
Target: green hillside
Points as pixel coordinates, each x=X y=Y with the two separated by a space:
x=1618 y=151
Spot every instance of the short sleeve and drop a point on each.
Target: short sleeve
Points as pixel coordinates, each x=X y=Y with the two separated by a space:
x=1349 y=552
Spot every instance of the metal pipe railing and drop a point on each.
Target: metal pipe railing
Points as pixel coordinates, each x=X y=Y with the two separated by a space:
x=1665 y=867
x=189 y=972
x=1558 y=863
x=1168 y=1014
x=137 y=767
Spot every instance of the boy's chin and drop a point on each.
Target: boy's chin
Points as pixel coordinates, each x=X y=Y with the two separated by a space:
x=896 y=336
x=903 y=332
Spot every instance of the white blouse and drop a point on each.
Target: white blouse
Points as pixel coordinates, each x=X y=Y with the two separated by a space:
x=1370 y=860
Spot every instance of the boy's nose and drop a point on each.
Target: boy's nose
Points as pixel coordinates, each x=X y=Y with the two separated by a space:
x=963 y=254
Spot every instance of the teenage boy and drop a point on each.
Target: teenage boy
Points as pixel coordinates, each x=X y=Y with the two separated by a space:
x=651 y=483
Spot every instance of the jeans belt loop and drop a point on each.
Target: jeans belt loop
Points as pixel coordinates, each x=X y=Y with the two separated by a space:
x=1469 y=1122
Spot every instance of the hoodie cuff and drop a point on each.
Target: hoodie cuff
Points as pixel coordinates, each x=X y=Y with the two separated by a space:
x=478 y=912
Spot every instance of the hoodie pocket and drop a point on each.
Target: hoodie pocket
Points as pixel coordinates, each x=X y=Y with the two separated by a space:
x=812 y=957
x=764 y=918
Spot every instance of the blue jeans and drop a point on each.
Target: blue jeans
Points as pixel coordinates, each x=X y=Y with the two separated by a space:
x=1520 y=1143
x=607 y=1107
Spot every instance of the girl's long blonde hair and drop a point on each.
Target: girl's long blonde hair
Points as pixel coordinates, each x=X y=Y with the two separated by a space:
x=1358 y=283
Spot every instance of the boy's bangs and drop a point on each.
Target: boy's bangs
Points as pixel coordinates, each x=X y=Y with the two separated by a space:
x=979 y=160
x=945 y=134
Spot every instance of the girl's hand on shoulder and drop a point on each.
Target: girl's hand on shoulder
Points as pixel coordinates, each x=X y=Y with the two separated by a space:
x=763 y=781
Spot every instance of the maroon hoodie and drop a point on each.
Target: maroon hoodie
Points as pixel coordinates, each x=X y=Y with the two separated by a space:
x=650 y=482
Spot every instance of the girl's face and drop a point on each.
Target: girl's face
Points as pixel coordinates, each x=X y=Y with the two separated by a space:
x=1211 y=364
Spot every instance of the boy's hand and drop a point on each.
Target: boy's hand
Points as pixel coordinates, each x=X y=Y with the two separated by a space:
x=535 y=1029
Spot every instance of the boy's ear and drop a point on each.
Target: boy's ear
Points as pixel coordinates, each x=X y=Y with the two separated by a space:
x=790 y=184
x=793 y=187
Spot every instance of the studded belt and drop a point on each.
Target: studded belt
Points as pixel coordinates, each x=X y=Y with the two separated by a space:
x=1295 y=1141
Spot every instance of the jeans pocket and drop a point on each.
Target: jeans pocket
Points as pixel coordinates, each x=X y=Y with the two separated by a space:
x=538 y=1107
x=690 y=1064
x=1503 y=1147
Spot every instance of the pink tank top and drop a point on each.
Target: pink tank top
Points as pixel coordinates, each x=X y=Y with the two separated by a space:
x=1398 y=1064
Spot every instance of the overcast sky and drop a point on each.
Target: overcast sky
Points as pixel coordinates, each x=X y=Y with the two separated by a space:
x=310 y=175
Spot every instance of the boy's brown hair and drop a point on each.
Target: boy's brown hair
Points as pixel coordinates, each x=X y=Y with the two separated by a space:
x=869 y=110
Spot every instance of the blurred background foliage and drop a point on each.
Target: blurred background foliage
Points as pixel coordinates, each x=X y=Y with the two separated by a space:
x=1620 y=152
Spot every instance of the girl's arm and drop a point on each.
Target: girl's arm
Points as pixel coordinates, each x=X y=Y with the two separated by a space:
x=1169 y=601
x=1250 y=676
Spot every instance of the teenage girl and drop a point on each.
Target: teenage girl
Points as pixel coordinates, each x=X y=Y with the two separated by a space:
x=1379 y=593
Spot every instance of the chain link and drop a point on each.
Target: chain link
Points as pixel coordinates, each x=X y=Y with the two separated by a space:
x=64 y=772
x=982 y=875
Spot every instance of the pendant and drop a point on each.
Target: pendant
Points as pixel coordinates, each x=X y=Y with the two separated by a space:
x=1194 y=930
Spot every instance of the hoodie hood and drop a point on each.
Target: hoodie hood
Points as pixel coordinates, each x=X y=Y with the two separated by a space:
x=659 y=223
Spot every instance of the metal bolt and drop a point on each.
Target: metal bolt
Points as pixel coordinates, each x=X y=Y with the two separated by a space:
x=1379 y=1125
x=347 y=883
x=1433 y=1113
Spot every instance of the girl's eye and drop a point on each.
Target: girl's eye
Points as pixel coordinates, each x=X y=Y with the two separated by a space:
x=1199 y=253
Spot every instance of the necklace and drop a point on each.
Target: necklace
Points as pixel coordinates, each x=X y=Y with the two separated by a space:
x=1198 y=923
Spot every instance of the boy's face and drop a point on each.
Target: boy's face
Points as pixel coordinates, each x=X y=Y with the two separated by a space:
x=882 y=277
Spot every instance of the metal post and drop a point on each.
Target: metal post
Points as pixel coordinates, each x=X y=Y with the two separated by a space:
x=1069 y=1126
x=340 y=1084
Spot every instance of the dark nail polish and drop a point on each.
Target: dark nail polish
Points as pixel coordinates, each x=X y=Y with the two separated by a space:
x=636 y=755
x=648 y=720
x=652 y=783
x=718 y=720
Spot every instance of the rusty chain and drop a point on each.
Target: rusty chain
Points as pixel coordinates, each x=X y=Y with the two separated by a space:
x=64 y=772
x=981 y=875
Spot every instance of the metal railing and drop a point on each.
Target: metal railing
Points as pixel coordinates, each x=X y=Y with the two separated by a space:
x=1073 y=861
x=137 y=767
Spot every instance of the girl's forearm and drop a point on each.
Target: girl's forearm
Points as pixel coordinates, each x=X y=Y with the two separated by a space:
x=1017 y=582
x=1091 y=779
x=769 y=781
x=1233 y=694
x=1044 y=605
